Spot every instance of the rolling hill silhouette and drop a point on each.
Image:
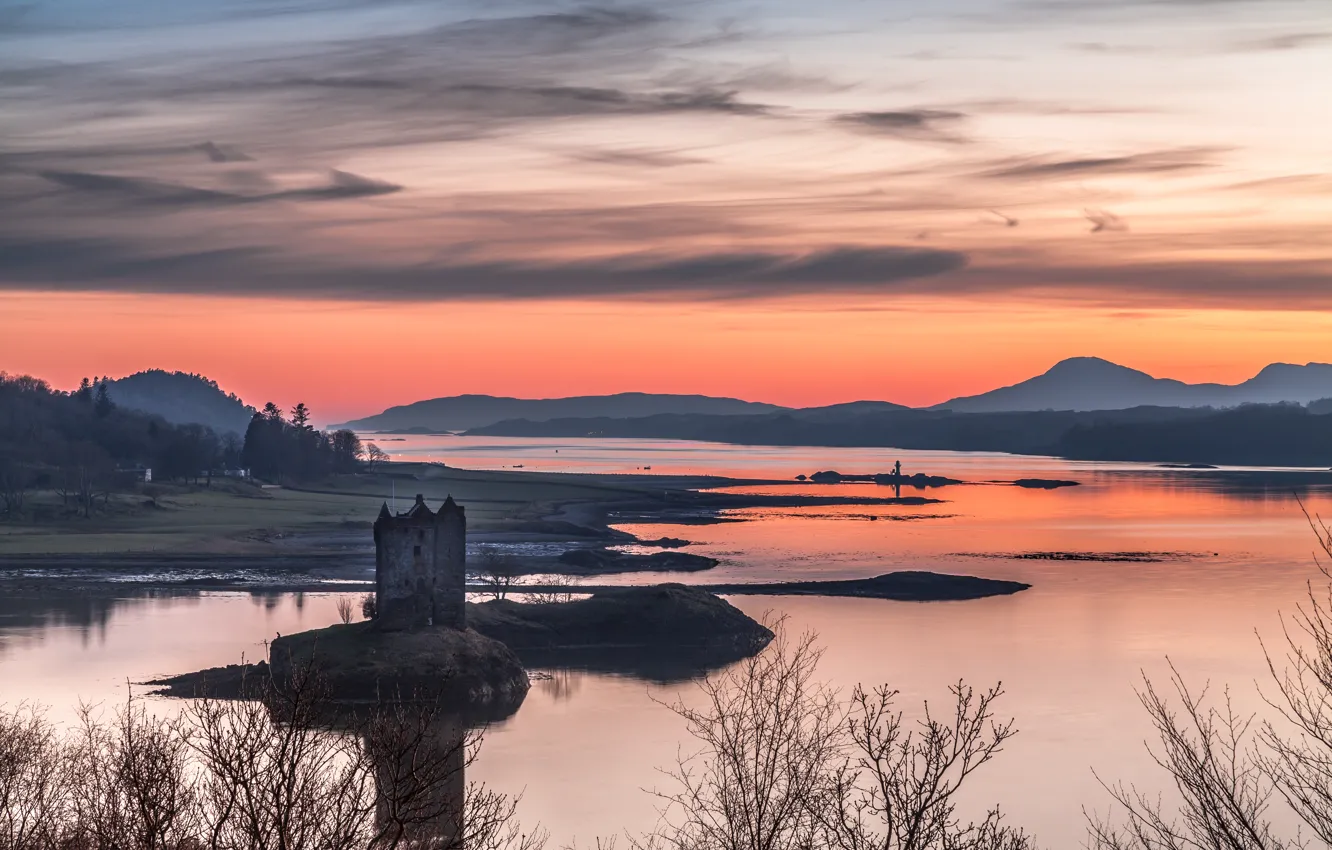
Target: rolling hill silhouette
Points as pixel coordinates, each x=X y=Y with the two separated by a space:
x=1090 y=383
x=457 y=413
x=182 y=398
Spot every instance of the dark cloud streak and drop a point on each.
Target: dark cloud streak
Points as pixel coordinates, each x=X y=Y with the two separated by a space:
x=138 y=190
x=1144 y=163
x=931 y=125
x=108 y=265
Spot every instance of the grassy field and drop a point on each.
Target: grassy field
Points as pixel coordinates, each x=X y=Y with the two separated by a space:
x=237 y=518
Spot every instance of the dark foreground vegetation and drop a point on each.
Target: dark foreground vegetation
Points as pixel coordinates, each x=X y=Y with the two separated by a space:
x=84 y=447
x=80 y=448
x=1265 y=435
x=285 y=769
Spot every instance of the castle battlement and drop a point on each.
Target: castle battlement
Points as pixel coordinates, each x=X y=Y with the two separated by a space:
x=421 y=567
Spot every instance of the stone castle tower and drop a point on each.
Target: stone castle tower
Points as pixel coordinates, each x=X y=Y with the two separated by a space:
x=421 y=567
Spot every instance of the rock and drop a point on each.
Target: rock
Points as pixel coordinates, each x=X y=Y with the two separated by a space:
x=906 y=585
x=663 y=615
x=666 y=632
x=919 y=481
x=590 y=562
x=1044 y=483
x=665 y=542
x=459 y=669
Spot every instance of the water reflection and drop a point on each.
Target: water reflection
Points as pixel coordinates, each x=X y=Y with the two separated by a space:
x=1069 y=650
x=29 y=614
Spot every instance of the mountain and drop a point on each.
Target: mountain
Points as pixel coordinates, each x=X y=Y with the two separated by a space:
x=1090 y=383
x=848 y=408
x=459 y=413
x=182 y=398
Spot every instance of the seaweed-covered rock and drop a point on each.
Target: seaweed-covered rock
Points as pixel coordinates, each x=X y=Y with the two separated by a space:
x=668 y=632
x=607 y=562
x=462 y=669
x=664 y=615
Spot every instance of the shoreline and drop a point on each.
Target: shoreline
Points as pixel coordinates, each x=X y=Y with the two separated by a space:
x=570 y=511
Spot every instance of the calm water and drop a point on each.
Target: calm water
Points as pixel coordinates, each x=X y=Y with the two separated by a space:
x=1069 y=651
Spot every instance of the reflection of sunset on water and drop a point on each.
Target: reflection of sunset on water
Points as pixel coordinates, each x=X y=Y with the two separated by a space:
x=1232 y=551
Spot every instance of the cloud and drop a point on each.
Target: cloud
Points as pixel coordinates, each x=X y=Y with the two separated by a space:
x=136 y=189
x=139 y=190
x=1143 y=163
x=110 y=265
x=1286 y=41
x=512 y=101
x=1103 y=220
x=636 y=158
x=219 y=153
x=932 y=125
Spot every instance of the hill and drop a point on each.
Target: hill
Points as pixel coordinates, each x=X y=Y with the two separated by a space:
x=182 y=398
x=459 y=413
x=1090 y=383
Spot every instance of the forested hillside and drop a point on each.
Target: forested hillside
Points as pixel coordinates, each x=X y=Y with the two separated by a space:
x=180 y=398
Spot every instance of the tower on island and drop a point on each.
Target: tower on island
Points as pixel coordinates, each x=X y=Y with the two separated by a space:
x=421 y=567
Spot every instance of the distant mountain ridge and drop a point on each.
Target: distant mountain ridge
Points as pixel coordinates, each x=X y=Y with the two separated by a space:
x=459 y=413
x=182 y=398
x=1091 y=383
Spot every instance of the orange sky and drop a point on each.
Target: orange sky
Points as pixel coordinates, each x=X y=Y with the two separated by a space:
x=363 y=204
x=347 y=360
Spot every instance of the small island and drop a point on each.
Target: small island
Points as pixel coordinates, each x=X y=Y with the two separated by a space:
x=599 y=562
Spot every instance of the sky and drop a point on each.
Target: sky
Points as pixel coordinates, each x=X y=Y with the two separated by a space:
x=356 y=204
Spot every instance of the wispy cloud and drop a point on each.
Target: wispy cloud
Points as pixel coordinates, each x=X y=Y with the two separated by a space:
x=107 y=265
x=1283 y=41
x=341 y=185
x=929 y=125
x=1153 y=162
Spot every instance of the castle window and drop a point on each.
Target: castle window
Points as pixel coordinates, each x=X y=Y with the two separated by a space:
x=416 y=550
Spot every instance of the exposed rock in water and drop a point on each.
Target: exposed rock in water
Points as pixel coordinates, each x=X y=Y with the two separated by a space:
x=918 y=481
x=664 y=632
x=1044 y=483
x=665 y=543
x=906 y=586
x=460 y=670
x=456 y=668
x=591 y=562
x=1109 y=557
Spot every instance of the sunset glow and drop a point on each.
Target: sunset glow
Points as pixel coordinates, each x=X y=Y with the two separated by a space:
x=368 y=204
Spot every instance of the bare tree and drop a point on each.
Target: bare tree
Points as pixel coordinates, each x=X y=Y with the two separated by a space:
x=785 y=763
x=345 y=607
x=898 y=791
x=374 y=456
x=770 y=734
x=33 y=790
x=16 y=479
x=133 y=785
x=1231 y=769
x=498 y=572
x=284 y=769
x=557 y=589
